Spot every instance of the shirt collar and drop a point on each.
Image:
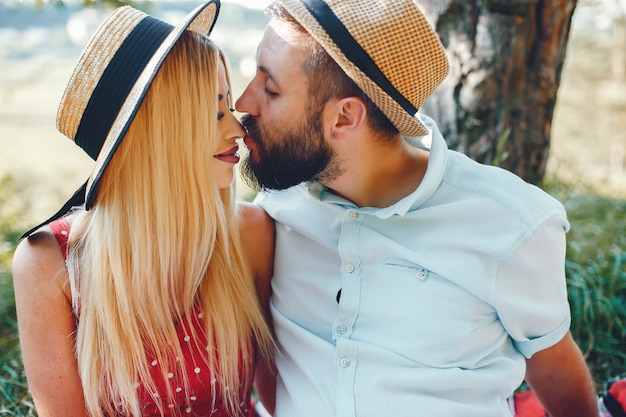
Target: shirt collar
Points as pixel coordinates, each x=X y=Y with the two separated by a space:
x=432 y=179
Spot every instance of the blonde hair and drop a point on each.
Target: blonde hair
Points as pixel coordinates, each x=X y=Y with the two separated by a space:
x=161 y=240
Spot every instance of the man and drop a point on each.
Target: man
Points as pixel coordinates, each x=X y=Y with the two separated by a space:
x=409 y=280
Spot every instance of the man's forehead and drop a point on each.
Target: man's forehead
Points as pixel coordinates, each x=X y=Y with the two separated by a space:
x=279 y=33
x=283 y=51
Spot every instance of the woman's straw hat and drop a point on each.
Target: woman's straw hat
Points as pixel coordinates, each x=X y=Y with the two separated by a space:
x=386 y=47
x=111 y=79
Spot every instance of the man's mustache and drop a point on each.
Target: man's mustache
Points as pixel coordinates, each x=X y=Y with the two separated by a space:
x=249 y=124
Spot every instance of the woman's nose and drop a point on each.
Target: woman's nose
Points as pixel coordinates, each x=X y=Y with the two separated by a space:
x=235 y=129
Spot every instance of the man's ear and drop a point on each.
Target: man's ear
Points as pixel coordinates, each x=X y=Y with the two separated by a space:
x=347 y=116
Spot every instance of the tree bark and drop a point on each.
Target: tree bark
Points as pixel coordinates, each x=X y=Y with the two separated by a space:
x=506 y=59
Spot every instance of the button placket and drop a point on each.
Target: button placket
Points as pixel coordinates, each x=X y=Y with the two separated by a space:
x=346 y=348
x=349 y=295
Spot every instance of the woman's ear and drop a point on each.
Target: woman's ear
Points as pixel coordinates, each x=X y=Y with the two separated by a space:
x=347 y=117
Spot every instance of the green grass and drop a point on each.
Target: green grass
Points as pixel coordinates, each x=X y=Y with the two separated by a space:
x=14 y=397
x=596 y=277
x=595 y=266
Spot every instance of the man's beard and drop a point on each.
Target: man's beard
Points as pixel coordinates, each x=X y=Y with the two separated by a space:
x=287 y=157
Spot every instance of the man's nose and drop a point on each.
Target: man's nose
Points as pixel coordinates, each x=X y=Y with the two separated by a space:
x=242 y=105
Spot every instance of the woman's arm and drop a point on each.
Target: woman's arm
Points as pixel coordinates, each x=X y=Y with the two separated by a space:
x=257 y=235
x=258 y=240
x=46 y=326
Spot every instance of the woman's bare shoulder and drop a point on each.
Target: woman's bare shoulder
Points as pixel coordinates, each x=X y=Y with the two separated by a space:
x=256 y=223
x=38 y=261
x=257 y=236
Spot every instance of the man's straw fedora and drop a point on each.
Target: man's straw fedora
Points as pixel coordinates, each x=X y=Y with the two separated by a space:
x=110 y=81
x=386 y=47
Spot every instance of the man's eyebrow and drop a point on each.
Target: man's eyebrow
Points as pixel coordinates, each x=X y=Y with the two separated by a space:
x=267 y=73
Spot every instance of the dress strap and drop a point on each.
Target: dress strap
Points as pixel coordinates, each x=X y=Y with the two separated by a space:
x=61 y=230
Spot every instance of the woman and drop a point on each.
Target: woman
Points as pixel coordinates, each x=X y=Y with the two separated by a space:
x=143 y=302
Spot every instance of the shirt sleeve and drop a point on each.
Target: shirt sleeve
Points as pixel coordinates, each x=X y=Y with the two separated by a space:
x=530 y=291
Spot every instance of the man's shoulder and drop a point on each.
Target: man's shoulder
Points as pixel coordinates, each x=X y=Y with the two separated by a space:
x=290 y=198
x=299 y=207
x=499 y=186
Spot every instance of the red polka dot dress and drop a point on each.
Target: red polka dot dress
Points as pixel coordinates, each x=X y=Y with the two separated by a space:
x=203 y=396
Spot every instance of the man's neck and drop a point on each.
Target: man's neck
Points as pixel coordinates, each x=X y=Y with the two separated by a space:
x=382 y=175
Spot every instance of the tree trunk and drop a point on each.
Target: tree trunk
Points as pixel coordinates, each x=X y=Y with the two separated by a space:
x=506 y=59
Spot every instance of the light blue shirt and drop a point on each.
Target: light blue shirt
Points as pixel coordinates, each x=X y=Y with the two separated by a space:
x=443 y=294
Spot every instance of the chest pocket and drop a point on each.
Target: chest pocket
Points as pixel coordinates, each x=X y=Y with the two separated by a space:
x=403 y=266
x=420 y=314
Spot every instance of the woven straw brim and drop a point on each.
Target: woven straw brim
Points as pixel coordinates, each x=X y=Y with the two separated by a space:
x=93 y=63
x=397 y=36
x=99 y=112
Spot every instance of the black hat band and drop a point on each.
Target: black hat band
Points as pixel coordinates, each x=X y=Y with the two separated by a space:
x=336 y=30
x=118 y=79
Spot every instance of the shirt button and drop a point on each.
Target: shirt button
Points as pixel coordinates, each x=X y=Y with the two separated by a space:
x=349 y=268
x=344 y=362
x=421 y=275
x=354 y=215
x=341 y=329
